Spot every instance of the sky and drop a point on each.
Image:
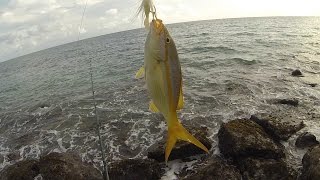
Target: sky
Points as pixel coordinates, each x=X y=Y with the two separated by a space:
x=31 y=25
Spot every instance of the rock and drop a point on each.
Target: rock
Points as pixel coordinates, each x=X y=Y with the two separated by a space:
x=296 y=72
x=306 y=140
x=313 y=84
x=280 y=128
x=1 y=159
x=244 y=138
x=38 y=106
x=292 y=102
x=182 y=149
x=66 y=166
x=216 y=169
x=23 y=170
x=24 y=140
x=13 y=156
x=311 y=164
x=265 y=169
x=135 y=169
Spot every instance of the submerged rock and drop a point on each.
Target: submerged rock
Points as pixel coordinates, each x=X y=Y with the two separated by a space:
x=135 y=169
x=292 y=102
x=13 y=156
x=1 y=159
x=279 y=128
x=313 y=84
x=244 y=138
x=268 y=169
x=296 y=72
x=216 y=168
x=182 y=149
x=23 y=170
x=311 y=164
x=66 y=166
x=306 y=140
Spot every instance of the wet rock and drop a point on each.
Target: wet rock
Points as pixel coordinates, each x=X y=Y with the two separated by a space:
x=266 y=169
x=25 y=139
x=66 y=166
x=313 y=84
x=53 y=113
x=280 y=128
x=13 y=156
x=1 y=159
x=296 y=72
x=23 y=170
x=182 y=149
x=306 y=140
x=38 y=106
x=311 y=164
x=135 y=169
x=244 y=138
x=292 y=102
x=216 y=169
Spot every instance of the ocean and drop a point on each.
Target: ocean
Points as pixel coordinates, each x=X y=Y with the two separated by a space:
x=232 y=68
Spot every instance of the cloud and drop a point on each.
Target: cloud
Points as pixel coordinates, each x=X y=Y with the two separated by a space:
x=112 y=12
x=30 y=25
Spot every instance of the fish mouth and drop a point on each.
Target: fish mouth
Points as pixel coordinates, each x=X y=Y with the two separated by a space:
x=158 y=25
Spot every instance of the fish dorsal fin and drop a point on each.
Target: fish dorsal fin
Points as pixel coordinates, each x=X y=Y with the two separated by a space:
x=140 y=73
x=153 y=107
x=180 y=102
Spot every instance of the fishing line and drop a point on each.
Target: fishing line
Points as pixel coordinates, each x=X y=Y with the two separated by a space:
x=105 y=166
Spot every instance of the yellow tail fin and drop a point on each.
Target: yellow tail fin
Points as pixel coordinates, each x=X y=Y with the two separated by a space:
x=177 y=131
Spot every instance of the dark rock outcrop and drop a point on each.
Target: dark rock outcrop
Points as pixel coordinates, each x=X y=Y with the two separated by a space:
x=279 y=128
x=182 y=149
x=215 y=168
x=291 y=102
x=245 y=138
x=311 y=164
x=306 y=140
x=1 y=159
x=135 y=169
x=54 y=166
x=68 y=166
x=23 y=170
x=13 y=156
x=267 y=169
x=297 y=73
x=312 y=84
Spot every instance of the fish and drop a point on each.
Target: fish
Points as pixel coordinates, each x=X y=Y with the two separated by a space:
x=147 y=7
x=162 y=73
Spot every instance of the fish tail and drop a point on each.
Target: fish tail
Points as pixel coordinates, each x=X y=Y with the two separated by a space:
x=177 y=131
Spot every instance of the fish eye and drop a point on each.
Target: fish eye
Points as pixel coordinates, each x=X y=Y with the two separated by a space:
x=168 y=40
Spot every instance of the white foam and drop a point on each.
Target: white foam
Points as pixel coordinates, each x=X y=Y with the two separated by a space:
x=174 y=168
x=59 y=141
x=38 y=177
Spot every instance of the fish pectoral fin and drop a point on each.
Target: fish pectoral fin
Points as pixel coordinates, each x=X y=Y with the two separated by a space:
x=140 y=73
x=180 y=102
x=177 y=131
x=153 y=107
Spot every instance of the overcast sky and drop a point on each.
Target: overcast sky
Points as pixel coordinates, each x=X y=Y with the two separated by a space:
x=31 y=25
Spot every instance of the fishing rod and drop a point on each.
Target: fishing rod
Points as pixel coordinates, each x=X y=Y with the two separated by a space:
x=105 y=166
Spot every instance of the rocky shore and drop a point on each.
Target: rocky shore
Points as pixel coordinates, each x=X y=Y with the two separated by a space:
x=249 y=149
